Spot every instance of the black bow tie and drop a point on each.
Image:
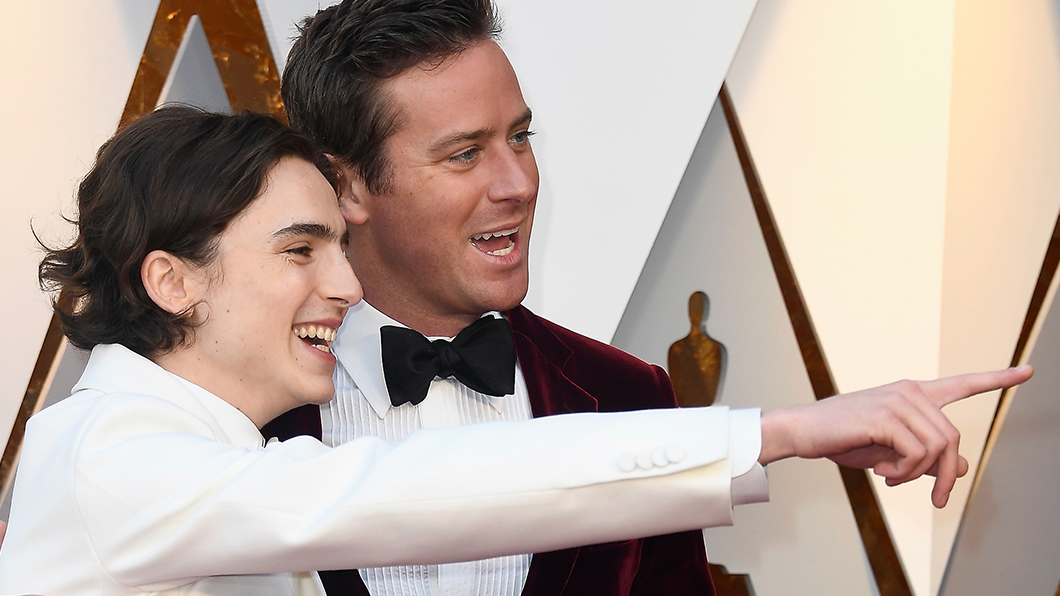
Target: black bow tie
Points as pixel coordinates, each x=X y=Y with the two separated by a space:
x=482 y=356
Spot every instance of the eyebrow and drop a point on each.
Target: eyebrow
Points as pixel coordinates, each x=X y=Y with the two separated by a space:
x=474 y=135
x=316 y=230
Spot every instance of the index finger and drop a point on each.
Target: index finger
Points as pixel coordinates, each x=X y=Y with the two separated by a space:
x=947 y=390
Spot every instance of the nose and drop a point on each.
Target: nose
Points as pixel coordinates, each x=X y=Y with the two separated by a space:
x=514 y=175
x=340 y=284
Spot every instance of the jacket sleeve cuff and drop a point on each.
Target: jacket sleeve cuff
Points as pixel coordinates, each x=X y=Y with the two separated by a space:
x=750 y=483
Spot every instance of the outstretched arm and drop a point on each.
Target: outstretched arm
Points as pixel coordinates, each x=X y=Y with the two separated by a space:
x=898 y=430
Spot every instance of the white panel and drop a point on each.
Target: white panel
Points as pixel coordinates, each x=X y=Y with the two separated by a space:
x=1009 y=540
x=620 y=93
x=805 y=541
x=67 y=70
x=845 y=106
x=1001 y=202
x=194 y=79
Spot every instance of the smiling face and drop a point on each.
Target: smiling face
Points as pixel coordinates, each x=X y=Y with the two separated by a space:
x=447 y=240
x=270 y=303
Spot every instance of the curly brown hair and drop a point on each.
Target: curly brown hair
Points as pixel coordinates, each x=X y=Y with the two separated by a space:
x=172 y=181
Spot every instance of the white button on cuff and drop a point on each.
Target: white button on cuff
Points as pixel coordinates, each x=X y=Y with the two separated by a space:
x=627 y=462
x=675 y=453
x=658 y=457
x=644 y=460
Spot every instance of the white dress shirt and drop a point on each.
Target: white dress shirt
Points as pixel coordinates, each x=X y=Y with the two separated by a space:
x=362 y=408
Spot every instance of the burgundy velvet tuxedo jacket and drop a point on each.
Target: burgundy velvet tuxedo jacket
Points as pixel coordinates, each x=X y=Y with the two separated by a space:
x=566 y=372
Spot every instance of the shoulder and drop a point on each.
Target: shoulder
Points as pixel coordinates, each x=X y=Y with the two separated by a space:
x=90 y=436
x=617 y=379
x=91 y=418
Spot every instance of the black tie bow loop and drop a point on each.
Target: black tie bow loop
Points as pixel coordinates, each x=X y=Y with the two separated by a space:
x=482 y=357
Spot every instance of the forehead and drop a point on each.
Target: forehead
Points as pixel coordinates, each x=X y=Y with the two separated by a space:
x=294 y=192
x=463 y=92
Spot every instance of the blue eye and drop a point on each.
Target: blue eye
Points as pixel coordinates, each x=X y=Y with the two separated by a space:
x=466 y=155
x=522 y=137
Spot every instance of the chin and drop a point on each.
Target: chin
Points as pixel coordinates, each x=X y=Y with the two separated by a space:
x=507 y=298
x=324 y=398
x=502 y=305
x=318 y=396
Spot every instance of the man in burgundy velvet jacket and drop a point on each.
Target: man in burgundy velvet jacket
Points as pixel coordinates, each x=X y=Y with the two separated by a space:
x=439 y=194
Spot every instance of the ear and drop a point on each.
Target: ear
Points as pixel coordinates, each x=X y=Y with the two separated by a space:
x=169 y=282
x=353 y=193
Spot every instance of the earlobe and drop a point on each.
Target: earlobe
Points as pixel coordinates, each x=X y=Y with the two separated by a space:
x=167 y=281
x=352 y=192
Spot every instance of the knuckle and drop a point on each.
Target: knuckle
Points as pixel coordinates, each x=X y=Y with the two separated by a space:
x=896 y=402
x=884 y=413
x=905 y=386
x=952 y=434
x=917 y=452
x=936 y=445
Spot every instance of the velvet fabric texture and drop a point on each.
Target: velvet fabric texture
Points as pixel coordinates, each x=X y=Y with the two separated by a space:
x=566 y=372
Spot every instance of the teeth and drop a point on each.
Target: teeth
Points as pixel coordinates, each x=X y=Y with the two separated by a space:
x=497 y=234
x=500 y=252
x=316 y=332
x=323 y=348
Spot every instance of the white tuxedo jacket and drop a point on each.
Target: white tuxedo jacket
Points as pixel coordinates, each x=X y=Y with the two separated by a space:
x=142 y=482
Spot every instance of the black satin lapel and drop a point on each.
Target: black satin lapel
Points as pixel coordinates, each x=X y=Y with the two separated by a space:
x=303 y=420
x=549 y=572
x=343 y=583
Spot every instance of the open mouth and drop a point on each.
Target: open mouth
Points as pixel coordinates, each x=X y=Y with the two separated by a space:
x=316 y=336
x=497 y=243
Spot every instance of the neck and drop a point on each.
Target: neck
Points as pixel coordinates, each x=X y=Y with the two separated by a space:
x=428 y=323
x=403 y=302
x=255 y=406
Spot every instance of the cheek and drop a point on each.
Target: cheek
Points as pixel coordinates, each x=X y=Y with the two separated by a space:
x=269 y=310
x=417 y=241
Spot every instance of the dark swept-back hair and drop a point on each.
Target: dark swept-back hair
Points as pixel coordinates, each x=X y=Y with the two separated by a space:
x=334 y=74
x=172 y=181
